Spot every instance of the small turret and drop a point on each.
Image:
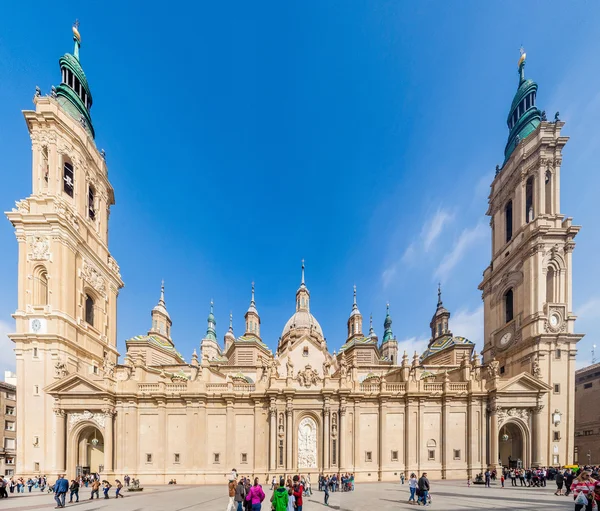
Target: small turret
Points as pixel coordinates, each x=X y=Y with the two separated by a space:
x=354 y=321
x=439 y=321
x=252 y=318
x=161 y=321
x=389 y=344
x=229 y=336
x=209 y=345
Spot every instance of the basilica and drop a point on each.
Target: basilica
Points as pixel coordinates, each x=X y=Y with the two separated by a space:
x=158 y=415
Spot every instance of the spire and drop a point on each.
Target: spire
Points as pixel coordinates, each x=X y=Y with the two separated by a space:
x=302 y=282
x=355 y=310
x=73 y=94
x=252 y=318
x=439 y=304
x=161 y=321
x=388 y=335
x=252 y=307
x=523 y=116
x=231 y=321
x=371 y=330
x=302 y=295
x=211 y=330
x=162 y=292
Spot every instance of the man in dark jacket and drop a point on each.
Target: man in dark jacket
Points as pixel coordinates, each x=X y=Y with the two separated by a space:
x=60 y=490
x=240 y=495
x=423 y=486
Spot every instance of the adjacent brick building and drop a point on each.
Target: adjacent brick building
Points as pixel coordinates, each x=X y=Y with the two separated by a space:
x=8 y=432
x=587 y=415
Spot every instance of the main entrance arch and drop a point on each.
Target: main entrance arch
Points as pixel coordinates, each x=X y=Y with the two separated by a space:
x=88 y=449
x=513 y=444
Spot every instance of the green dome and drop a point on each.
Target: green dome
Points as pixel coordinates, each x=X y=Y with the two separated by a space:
x=523 y=117
x=74 y=94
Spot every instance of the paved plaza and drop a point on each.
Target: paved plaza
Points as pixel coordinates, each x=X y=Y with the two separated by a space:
x=446 y=495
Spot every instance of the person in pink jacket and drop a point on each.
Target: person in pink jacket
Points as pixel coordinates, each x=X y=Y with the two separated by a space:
x=256 y=495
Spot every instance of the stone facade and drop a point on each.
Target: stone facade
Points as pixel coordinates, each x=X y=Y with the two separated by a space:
x=587 y=415
x=301 y=408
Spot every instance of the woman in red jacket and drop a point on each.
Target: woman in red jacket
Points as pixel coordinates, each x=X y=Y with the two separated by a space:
x=298 y=491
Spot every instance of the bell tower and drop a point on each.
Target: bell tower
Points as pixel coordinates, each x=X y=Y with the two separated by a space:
x=527 y=288
x=68 y=282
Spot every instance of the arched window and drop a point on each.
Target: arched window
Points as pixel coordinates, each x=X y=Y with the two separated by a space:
x=40 y=287
x=352 y=329
x=439 y=329
x=68 y=179
x=529 y=211
x=89 y=310
x=508 y=305
x=508 y=220
x=550 y=285
x=91 y=207
x=548 y=193
x=44 y=165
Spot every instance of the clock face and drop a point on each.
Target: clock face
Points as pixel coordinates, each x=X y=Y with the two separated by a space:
x=505 y=339
x=36 y=324
x=554 y=320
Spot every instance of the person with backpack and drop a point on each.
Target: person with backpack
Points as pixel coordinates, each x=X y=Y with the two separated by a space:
x=280 y=497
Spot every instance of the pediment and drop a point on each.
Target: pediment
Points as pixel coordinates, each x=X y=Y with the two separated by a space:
x=523 y=383
x=75 y=384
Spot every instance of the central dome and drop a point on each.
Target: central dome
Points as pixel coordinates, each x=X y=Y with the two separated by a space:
x=302 y=320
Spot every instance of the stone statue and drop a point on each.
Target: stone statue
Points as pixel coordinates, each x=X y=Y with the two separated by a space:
x=556 y=118
x=289 y=367
x=493 y=369
x=343 y=368
x=60 y=369
x=326 y=367
x=536 y=370
x=308 y=377
x=544 y=115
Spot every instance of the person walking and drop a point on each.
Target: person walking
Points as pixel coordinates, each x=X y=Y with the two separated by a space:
x=119 y=486
x=74 y=491
x=256 y=495
x=569 y=477
x=560 y=480
x=60 y=491
x=240 y=495
x=95 y=489
x=3 y=485
x=280 y=497
x=105 y=487
x=423 y=486
x=402 y=477
x=412 y=486
x=231 y=485
x=326 y=496
x=488 y=478
x=583 y=491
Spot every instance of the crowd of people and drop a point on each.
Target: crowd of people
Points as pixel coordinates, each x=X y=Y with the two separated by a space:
x=287 y=495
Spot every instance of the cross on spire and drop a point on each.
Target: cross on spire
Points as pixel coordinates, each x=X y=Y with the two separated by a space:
x=302 y=283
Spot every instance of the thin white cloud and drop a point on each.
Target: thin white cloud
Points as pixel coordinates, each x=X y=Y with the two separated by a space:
x=434 y=227
x=430 y=232
x=468 y=238
x=589 y=310
x=469 y=323
x=410 y=345
x=7 y=354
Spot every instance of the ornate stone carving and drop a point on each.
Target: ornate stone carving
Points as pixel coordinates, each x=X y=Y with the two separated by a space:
x=60 y=369
x=289 y=368
x=21 y=206
x=93 y=277
x=493 y=369
x=308 y=377
x=343 y=368
x=334 y=425
x=114 y=267
x=98 y=418
x=505 y=414
x=536 y=370
x=108 y=367
x=39 y=248
x=326 y=367
x=281 y=426
x=307 y=443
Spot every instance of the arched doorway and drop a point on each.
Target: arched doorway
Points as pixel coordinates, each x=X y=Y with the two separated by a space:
x=89 y=457
x=513 y=451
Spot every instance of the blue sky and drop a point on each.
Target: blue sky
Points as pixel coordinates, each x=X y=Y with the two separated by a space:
x=242 y=137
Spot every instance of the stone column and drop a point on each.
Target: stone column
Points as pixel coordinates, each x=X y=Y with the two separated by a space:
x=60 y=422
x=326 y=438
x=342 y=437
x=538 y=436
x=108 y=439
x=356 y=442
x=445 y=434
x=273 y=437
x=289 y=411
x=382 y=438
x=230 y=435
x=191 y=413
x=202 y=456
x=161 y=460
x=493 y=414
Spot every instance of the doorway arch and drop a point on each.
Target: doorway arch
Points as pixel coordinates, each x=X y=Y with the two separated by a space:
x=514 y=444
x=87 y=449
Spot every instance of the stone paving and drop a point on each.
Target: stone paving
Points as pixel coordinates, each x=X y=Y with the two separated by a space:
x=446 y=495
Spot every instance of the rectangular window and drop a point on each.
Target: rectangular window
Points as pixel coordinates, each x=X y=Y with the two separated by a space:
x=557 y=388
x=11 y=395
x=91 y=207
x=68 y=183
x=587 y=385
x=557 y=354
x=36 y=466
x=456 y=454
x=36 y=390
x=35 y=353
x=244 y=458
x=334 y=451
x=148 y=458
x=9 y=472
x=9 y=425
x=556 y=436
x=394 y=455
x=555 y=459
x=368 y=456
x=305 y=351
x=216 y=457
x=9 y=443
x=281 y=453
x=176 y=460
x=10 y=461
x=431 y=454
x=10 y=410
